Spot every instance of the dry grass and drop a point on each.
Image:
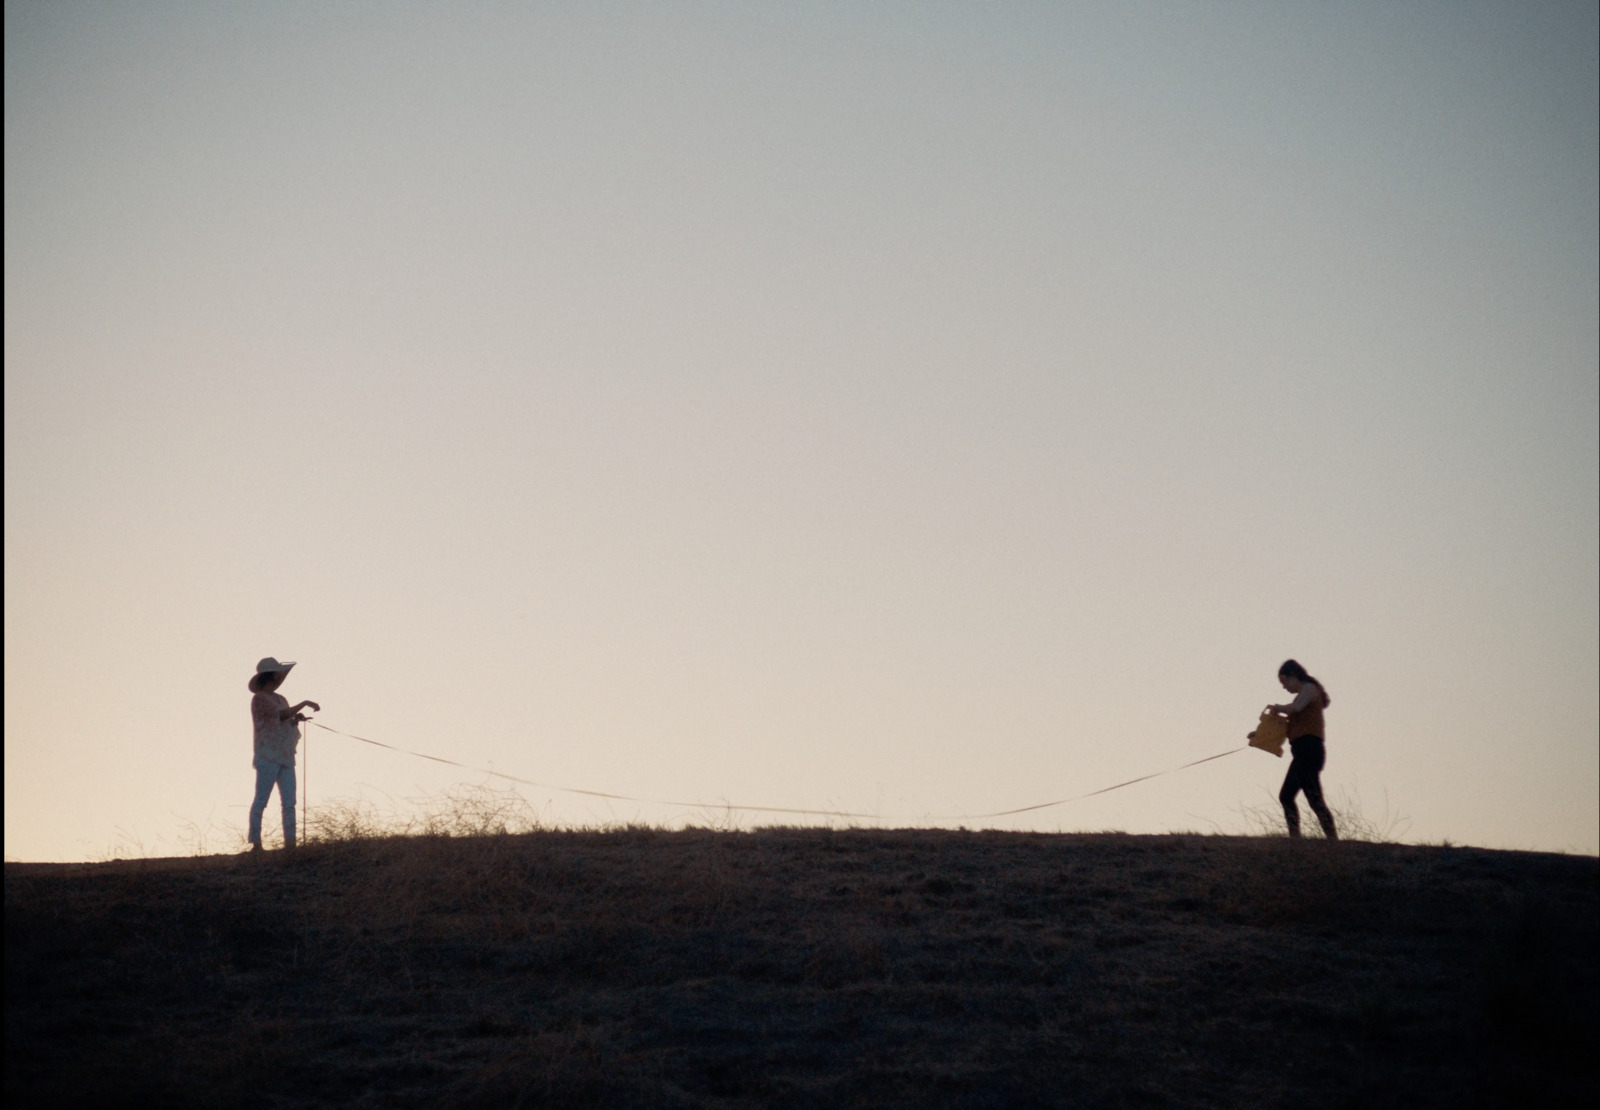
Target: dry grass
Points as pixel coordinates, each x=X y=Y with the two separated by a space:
x=463 y=810
x=802 y=967
x=1352 y=819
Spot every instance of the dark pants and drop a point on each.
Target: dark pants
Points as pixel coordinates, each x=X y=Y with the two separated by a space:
x=1305 y=773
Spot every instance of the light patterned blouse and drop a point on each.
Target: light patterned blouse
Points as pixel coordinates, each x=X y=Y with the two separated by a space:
x=276 y=740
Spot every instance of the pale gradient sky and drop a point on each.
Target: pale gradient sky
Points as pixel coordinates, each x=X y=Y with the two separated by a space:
x=912 y=408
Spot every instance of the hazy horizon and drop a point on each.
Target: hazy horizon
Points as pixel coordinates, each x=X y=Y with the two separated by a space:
x=912 y=409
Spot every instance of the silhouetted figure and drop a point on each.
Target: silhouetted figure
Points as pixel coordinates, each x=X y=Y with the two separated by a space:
x=1307 y=739
x=277 y=732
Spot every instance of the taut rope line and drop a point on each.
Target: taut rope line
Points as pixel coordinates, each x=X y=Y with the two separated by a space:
x=762 y=809
x=1092 y=793
x=600 y=793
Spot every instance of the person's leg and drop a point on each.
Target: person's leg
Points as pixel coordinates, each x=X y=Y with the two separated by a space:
x=266 y=775
x=1291 y=787
x=1311 y=783
x=286 y=795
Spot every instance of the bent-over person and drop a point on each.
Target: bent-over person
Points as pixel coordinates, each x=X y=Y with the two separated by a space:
x=1307 y=743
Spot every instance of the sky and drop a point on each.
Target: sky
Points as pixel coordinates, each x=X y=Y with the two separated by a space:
x=919 y=410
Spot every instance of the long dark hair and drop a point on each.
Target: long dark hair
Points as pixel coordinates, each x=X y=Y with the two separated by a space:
x=1295 y=670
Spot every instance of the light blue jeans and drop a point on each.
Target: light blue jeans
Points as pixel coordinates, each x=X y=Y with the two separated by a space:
x=268 y=775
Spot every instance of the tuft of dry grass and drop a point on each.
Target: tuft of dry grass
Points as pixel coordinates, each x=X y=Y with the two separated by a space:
x=469 y=964
x=1350 y=817
x=463 y=810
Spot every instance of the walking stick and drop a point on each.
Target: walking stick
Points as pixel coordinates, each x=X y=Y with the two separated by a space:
x=305 y=787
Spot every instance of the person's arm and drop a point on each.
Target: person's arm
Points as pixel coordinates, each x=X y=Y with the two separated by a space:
x=1308 y=693
x=289 y=713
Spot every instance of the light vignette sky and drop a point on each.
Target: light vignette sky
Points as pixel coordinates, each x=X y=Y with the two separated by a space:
x=815 y=446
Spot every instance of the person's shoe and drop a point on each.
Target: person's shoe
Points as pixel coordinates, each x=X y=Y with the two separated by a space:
x=254 y=848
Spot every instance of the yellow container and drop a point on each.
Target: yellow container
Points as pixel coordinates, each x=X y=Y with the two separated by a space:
x=1270 y=734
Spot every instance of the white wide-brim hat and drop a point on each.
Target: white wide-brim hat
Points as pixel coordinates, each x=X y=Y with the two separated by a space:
x=269 y=665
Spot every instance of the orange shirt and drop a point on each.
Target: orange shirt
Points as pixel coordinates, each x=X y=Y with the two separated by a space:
x=1308 y=721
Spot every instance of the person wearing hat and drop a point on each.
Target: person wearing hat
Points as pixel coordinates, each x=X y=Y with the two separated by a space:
x=277 y=732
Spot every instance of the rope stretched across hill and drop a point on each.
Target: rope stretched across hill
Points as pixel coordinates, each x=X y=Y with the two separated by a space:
x=761 y=809
x=595 y=793
x=1102 y=790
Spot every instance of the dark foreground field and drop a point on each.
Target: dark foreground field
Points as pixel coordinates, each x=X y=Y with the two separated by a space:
x=800 y=968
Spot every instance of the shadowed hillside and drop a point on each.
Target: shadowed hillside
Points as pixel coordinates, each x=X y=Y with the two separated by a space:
x=799 y=968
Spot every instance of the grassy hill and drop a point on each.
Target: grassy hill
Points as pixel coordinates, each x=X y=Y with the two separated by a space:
x=806 y=967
